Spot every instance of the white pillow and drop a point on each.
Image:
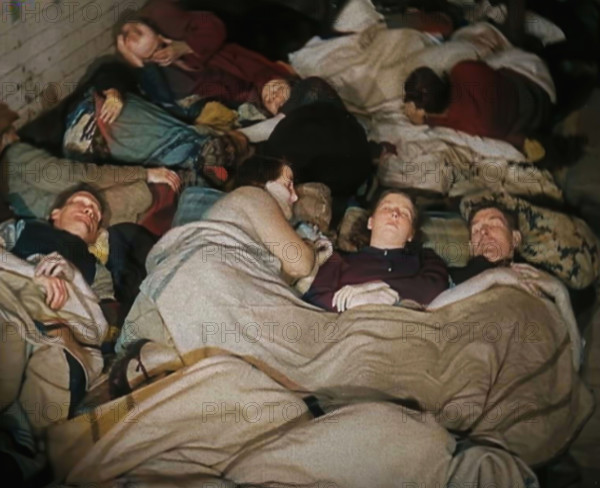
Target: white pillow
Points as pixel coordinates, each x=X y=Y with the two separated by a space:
x=356 y=16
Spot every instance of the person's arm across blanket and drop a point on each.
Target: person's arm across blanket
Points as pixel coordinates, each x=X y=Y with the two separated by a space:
x=112 y=80
x=112 y=106
x=27 y=166
x=479 y=283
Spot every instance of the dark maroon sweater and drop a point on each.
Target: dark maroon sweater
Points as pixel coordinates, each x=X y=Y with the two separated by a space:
x=484 y=102
x=419 y=275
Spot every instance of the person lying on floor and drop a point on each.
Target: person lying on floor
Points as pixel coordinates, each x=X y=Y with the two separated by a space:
x=282 y=98
x=112 y=264
x=392 y=268
x=479 y=100
x=50 y=357
x=135 y=131
x=261 y=205
x=33 y=177
x=274 y=92
x=494 y=240
x=182 y=53
x=64 y=242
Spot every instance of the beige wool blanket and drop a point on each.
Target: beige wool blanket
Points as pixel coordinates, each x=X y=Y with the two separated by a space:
x=221 y=423
x=33 y=366
x=496 y=366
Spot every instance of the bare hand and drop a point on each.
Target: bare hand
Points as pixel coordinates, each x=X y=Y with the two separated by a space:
x=56 y=290
x=323 y=249
x=164 y=175
x=112 y=107
x=274 y=94
x=414 y=114
x=172 y=51
x=538 y=281
x=373 y=293
x=54 y=265
x=509 y=277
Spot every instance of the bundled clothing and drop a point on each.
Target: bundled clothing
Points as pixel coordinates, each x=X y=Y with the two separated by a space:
x=415 y=273
x=147 y=135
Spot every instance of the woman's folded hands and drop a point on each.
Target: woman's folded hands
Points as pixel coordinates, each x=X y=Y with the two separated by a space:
x=373 y=293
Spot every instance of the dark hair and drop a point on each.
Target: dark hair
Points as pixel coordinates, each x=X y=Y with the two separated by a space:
x=64 y=196
x=258 y=170
x=511 y=216
x=130 y=16
x=427 y=90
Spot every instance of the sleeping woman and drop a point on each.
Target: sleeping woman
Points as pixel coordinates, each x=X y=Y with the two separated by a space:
x=238 y=261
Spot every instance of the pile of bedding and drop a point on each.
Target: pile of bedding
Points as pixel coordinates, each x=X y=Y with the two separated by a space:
x=368 y=68
x=257 y=387
x=503 y=377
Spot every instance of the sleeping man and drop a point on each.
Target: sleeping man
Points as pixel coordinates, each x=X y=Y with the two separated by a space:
x=32 y=178
x=63 y=243
x=392 y=268
x=494 y=240
x=52 y=324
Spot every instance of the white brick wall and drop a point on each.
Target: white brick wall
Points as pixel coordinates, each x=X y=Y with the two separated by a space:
x=46 y=46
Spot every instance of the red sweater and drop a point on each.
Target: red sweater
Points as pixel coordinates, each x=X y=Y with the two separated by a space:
x=483 y=102
x=216 y=65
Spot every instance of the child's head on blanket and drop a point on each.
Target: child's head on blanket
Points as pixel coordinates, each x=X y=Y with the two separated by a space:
x=275 y=175
x=494 y=232
x=79 y=210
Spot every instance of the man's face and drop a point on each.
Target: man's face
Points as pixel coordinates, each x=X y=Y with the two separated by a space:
x=491 y=236
x=391 y=224
x=79 y=216
x=141 y=40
